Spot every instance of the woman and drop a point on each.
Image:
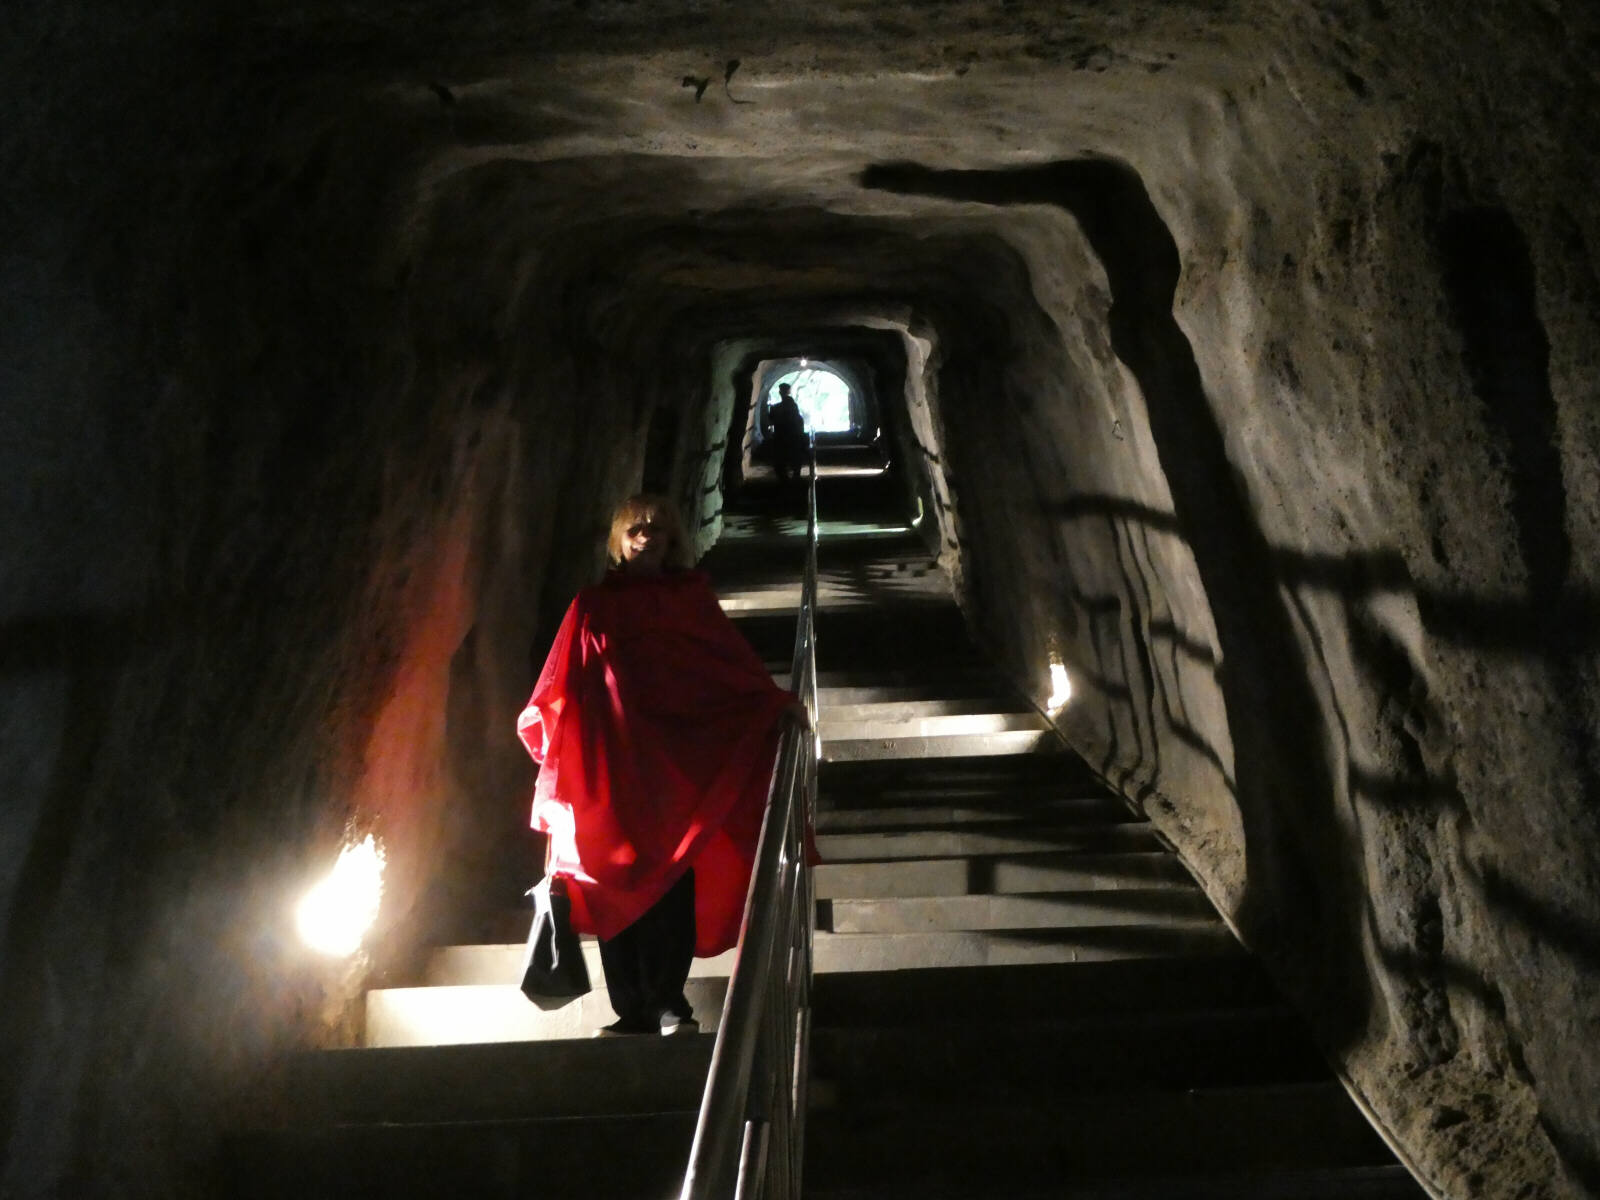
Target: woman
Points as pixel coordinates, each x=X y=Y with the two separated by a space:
x=656 y=726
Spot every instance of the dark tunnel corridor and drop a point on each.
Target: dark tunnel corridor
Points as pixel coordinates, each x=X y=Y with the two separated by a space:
x=1237 y=360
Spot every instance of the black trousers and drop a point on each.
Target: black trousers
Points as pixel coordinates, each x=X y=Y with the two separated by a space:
x=647 y=964
x=790 y=468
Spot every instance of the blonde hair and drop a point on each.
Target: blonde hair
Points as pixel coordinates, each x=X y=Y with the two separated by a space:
x=658 y=510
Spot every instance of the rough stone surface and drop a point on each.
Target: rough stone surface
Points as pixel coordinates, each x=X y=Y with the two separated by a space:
x=1248 y=354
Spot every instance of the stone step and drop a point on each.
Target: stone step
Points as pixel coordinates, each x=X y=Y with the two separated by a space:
x=998 y=810
x=498 y=964
x=499 y=1012
x=933 y=631
x=1390 y=1182
x=932 y=674
x=977 y=797
x=1169 y=908
x=979 y=876
x=880 y=639
x=1025 y=741
x=954 y=690
x=1046 y=1059
x=577 y=1158
x=951 y=725
x=929 y=780
x=1040 y=1144
x=999 y=875
x=939 y=843
x=842 y=684
x=968 y=686
x=525 y=1080
x=760 y=600
x=1021 y=994
x=776 y=595
x=501 y=963
x=1007 y=947
x=881 y=591
x=884 y=712
x=767 y=546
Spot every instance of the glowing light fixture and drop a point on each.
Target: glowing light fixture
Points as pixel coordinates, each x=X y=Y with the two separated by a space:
x=1060 y=688
x=336 y=914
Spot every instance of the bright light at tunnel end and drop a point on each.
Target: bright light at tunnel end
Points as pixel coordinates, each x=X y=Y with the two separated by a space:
x=823 y=396
x=335 y=914
x=1060 y=689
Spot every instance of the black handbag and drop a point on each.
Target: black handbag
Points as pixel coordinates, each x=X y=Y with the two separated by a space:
x=553 y=970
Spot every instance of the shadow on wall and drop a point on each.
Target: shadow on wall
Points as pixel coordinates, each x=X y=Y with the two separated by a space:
x=1489 y=278
x=1166 y=652
x=1457 y=617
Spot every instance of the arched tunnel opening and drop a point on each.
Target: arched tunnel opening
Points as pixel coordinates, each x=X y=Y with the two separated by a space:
x=1213 y=354
x=840 y=399
x=830 y=405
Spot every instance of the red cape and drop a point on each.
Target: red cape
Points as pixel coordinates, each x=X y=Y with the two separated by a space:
x=656 y=726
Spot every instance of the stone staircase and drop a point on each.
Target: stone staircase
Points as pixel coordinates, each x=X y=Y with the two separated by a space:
x=1045 y=1005
x=1019 y=990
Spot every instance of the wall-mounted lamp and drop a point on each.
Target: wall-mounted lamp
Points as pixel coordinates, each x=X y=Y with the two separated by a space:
x=1060 y=689
x=336 y=914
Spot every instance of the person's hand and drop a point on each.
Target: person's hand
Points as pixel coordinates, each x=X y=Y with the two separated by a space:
x=797 y=713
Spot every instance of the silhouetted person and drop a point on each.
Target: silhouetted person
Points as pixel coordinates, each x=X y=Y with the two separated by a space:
x=790 y=451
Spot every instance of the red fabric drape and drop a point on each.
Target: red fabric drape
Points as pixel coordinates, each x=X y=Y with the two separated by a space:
x=656 y=726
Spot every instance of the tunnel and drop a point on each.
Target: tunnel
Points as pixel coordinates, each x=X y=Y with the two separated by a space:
x=1239 y=356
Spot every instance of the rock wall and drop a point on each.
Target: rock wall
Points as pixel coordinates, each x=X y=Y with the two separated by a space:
x=1345 y=665
x=1247 y=354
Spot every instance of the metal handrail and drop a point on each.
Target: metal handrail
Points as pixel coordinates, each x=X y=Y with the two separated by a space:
x=749 y=1139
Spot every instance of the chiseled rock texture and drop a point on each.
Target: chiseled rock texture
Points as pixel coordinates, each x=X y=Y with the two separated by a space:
x=1244 y=355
